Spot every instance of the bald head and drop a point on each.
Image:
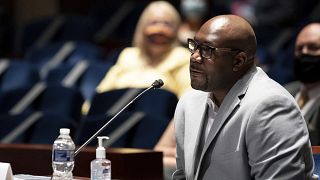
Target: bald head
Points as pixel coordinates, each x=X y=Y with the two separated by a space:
x=308 y=40
x=232 y=45
x=230 y=31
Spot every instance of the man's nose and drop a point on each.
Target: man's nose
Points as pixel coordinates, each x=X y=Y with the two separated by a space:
x=195 y=57
x=304 y=50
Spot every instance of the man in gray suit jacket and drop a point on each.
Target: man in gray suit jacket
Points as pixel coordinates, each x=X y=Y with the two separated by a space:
x=237 y=123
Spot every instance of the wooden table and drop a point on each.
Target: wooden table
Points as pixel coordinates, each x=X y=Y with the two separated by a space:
x=126 y=163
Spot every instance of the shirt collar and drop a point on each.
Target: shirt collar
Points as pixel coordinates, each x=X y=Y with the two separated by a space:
x=211 y=103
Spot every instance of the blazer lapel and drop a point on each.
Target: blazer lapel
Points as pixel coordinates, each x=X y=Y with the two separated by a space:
x=311 y=120
x=193 y=124
x=229 y=104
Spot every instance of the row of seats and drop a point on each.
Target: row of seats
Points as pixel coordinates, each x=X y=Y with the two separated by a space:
x=97 y=22
x=45 y=91
x=139 y=126
x=69 y=51
x=53 y=80
x=76 y=64
x=21 y=75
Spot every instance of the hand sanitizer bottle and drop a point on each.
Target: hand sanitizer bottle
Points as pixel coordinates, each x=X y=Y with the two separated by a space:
x=101 y=167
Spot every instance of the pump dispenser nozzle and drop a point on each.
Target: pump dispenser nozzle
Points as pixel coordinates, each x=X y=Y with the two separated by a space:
x=101 y=151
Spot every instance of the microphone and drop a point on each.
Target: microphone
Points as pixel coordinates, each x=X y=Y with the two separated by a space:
x=155 y=85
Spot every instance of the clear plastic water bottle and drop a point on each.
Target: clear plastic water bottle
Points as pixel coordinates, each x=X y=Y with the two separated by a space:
x=62 y=156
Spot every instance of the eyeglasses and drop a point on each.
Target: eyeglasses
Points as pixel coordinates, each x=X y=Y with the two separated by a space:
x=206 y=51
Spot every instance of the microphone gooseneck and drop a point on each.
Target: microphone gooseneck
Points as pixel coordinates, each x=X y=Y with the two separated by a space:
x=155 y=85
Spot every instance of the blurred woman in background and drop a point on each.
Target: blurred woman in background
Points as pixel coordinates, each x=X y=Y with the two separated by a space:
x=155 y=54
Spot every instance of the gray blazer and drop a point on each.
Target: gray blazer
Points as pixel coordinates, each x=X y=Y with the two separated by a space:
x=258 y=133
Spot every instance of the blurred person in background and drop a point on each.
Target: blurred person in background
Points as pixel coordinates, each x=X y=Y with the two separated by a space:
x=307 y=70
x=155 y=54
x=275 y=24
x=194 y=14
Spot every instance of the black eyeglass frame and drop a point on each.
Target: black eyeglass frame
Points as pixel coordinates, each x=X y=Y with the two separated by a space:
x=212 y=49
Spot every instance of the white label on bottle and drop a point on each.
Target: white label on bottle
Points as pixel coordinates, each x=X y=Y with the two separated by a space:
x=63 y=155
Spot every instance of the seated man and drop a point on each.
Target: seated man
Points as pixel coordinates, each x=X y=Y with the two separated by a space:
x=237 y=123
x=307 y=70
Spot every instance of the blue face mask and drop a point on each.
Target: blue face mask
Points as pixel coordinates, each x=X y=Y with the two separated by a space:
x=307 y=68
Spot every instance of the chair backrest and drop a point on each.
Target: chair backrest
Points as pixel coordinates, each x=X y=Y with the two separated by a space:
x=158 y=102
x=19 y=74
x=9 y=99
x=91 y=79
x=85 y=51
x=62 y=101
x=8 y=123
x=102 y=102
x=56 y=75
x=156 y=106
x=91 y=124
x=46 y=129
x=316 y=158
x=148 y=131
x=129 y=129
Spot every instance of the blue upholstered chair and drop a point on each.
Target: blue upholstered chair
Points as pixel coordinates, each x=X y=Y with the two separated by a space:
x=316 y=158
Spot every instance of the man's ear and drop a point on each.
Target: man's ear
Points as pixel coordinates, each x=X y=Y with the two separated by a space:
x=239 y=61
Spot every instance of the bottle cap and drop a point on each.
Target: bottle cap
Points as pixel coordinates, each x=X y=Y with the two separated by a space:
x=64 y=131
x=101 y=151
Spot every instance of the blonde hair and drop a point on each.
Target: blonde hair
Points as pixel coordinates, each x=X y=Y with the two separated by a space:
x=146 y=15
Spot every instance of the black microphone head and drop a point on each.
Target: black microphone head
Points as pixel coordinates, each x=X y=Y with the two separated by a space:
x=157 y=83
